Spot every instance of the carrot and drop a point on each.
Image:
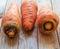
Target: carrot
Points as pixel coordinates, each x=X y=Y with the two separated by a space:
x=29 y=13
x=11 y=21
x=47 y=20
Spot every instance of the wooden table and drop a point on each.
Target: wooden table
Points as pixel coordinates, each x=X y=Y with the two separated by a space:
x=35 y=40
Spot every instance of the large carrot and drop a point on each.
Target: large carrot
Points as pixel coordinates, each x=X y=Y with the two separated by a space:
x=47 y=20
x=11 y=21
x=29 y=13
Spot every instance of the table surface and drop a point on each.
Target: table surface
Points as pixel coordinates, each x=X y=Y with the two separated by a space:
x=35 y=40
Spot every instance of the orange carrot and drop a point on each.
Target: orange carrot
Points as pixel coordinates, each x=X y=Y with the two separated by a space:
x=11 y=21
x=29 y=13
x=47 y=20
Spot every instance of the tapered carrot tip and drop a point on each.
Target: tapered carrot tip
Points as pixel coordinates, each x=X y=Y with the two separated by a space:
x=11 y=34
